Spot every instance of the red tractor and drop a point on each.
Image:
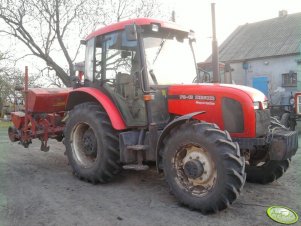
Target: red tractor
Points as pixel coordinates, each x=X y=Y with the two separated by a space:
x=136 y=104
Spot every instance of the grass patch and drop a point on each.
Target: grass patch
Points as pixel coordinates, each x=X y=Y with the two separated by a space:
x=4 y=147
x=4 y=124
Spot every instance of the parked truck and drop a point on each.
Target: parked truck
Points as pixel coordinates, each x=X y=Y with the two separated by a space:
x=135 y=103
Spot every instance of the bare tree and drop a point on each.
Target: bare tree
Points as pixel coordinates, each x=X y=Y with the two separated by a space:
x=51 y=29
x=10 y=77
x=117 y=10
x=50 y=78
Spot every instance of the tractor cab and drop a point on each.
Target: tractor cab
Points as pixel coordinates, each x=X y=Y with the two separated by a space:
x=142 y=58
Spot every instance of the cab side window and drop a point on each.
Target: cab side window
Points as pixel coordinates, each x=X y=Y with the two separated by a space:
x=121 y=77
x=118 y=55
x=89 y=68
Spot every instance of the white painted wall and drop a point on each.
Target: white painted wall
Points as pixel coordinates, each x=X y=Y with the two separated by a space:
x=272 y=68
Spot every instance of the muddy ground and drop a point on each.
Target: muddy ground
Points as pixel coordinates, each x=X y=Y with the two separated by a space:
x=38 y=188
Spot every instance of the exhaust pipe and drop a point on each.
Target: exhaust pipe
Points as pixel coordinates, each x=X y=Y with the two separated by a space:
x=215 y=64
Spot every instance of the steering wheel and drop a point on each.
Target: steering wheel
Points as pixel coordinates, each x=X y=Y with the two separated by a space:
x=109 y=81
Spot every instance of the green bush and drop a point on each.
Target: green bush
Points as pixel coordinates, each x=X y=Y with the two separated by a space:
x=4 y=124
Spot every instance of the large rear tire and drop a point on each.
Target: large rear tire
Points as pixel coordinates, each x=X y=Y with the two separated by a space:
x=268 y=172
x=203 y=167
x=91 y=144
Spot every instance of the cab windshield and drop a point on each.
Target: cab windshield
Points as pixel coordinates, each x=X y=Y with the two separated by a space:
x=169 y=58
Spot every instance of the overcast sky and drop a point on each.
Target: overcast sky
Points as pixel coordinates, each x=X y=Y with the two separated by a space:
x=196 y=14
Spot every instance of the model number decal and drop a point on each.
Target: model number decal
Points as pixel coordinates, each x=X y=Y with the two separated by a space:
x=197 y=97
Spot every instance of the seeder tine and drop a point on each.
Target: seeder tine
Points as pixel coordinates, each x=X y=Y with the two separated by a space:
x=44 y=146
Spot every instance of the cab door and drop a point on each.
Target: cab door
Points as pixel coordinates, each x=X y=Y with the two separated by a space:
x=120 y=76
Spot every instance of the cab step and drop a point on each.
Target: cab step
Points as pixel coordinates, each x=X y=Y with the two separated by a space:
x=137 y=167
x=137 y=147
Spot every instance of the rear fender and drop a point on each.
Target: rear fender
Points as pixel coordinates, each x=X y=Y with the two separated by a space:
x=88 y=94
x=175 y=123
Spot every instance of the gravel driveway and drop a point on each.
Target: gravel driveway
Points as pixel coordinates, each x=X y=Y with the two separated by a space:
x=38 y=188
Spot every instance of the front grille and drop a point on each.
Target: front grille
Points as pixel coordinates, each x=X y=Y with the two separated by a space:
x=284 y=144
x=263 y=119
x=233 y=116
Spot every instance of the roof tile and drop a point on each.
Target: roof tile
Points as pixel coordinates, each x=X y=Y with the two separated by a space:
x=273 y=37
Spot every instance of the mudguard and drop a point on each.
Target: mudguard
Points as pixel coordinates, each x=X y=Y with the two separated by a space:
x=178 y=121
x=85 y=94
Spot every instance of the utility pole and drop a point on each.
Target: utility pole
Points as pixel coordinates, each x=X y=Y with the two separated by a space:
x=173 y=16
x=215 y=63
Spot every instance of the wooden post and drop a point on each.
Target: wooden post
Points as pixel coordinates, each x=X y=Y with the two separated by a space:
x=215 y=63
x=26 y=102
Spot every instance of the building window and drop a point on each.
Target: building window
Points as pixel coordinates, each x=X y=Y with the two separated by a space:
x=289 y=79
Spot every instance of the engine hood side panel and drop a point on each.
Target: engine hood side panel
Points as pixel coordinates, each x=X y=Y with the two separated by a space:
x=183 y=99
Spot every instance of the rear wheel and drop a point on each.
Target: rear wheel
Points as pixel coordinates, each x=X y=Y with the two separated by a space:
x=91 y=144
x=203 y=167
x=266 y=172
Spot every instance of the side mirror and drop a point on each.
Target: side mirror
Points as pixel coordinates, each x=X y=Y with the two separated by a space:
x=83 y=42
x=19 y=88
x=125 y=54
x=191 y=36
x=80 y=66
x=131 y=32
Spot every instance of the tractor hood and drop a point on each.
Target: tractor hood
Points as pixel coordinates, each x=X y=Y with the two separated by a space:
x=217 y=89
x=223 y=104
x=255 y=94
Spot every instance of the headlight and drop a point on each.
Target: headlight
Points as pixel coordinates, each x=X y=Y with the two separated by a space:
x=260 y=105
x=155 y=27
x=256 y=105
x=265 y=104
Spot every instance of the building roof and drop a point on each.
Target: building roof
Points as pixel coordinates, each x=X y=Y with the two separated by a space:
x=274 y=37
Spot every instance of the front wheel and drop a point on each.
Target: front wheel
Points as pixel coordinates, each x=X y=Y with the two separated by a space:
x=203 y=167
x=91 y=144
x=266 y=172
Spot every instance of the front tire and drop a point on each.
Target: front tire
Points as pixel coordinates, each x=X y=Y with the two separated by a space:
x=91 y=144
x=268 y=172
x=203 y=167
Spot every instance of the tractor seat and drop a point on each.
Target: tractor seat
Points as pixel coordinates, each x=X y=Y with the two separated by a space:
x=125 y=85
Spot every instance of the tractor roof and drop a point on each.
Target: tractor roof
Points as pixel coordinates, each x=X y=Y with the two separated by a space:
x=138 y=21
